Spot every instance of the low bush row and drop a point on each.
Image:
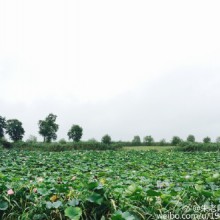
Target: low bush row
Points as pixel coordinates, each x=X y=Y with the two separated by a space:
x=57 y=147
x=189 y=146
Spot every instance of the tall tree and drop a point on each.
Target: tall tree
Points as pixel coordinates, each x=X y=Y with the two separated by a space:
x=75 y=133
x=48 y=128
x=136 y=140
x=14 y=129
x=2 y=126
x=148 y=140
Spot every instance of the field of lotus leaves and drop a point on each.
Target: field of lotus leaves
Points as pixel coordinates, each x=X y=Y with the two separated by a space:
x=114 y=185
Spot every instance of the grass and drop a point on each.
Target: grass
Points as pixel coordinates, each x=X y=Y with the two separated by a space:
x=145 y=148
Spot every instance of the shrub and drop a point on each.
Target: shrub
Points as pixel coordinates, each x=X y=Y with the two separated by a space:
x=32 y=139
x=207 y=140
x=58 y=147
x=191 y=138
x=176 y=141
x=62 y=141
x=106 y=139
x=189 y=146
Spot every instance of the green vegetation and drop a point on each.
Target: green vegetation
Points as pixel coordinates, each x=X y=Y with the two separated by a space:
x=62 y=146
x=75 y=133
x=92 y=180
x=105 y=184
x=106 y=139
x=14 y=129
x=147 y=148
x=193 y=147
x=207 y=140
x=148 y=140
x=175 y=141
x=48 y=128
x=136 y=140
x=191 y=138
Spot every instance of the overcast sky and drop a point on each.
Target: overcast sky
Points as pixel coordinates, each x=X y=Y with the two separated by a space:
x=120 y=67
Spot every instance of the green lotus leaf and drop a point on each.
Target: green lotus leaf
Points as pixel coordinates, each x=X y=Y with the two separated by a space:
x=74 y=213
x=96 y=198
x=3 y=205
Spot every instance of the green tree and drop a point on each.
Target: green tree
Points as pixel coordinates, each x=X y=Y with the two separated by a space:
x=14 y=129
x=106 y=139
x=191 y=138
x=148 y=140
x=175 y=141
x=75 y=133
x=207 y=140
x=48 y=128
x=2 y=126
x=136 y=140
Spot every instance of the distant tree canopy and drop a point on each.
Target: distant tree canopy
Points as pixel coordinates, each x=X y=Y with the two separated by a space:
x=207 y=140
x=14 y=129
x=106 y=139
x=48 y=128
x=175 y=141
x=136 y=140
x=75 y=133
x=191 y=138
x=148 y=140
x=2 y=126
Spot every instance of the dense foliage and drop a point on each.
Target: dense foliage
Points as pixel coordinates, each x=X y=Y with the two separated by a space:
x=64 y=146
x=191 y=138
x=75 y=133
x=14 y=129
x=207 y=140
x=48 y=128
x=176 y=141
x=117 y=185
x=148 y=140
x=136 y=140
x=106 y=139
x=189 y=146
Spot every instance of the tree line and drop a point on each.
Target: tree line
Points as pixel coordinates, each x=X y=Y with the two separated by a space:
x=48 y=129
x=149 y=140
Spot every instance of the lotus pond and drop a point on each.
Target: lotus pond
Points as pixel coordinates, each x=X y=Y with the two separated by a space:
x=106 y=185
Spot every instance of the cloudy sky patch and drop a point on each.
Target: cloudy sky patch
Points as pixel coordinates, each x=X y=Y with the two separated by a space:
x=117 y=67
